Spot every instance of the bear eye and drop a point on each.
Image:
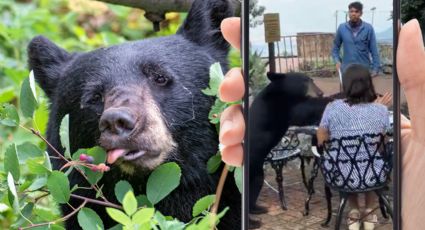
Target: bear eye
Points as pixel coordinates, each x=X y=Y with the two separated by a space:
x=96 y=99
x=160 y=80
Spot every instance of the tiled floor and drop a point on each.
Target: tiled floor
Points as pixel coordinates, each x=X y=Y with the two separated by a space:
x=295 y=194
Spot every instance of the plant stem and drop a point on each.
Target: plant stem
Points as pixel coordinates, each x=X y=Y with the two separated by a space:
x=37 y=133
x=94 y=201
x=218 y=193
x=40 y=197
x=59 y=220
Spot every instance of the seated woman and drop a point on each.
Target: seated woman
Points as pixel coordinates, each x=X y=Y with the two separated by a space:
x=357 y=114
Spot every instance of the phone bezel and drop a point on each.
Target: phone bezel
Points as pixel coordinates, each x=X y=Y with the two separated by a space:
x=245 y=71
x=396 y=123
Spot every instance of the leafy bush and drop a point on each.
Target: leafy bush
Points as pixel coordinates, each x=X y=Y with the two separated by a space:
x=31 y=180
x=29 y=189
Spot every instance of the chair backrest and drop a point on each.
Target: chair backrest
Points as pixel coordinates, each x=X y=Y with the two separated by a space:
x=357 y=163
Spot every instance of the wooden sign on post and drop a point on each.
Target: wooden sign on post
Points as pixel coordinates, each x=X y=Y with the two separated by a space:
x=272 y=34
x=272 y=27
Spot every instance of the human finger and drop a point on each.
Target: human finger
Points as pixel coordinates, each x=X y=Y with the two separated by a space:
x=232 y=155
x=232 y=126
x=232 y=87
x=387 y=99
x=410 y=68
x=231 y=30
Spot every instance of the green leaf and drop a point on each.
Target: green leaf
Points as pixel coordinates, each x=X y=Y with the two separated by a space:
x=56 y=227
x=64 y=135
x=47 y=163
x=121 y=188
x=116 y=227
x=12 y=189
x=28 y=150
x=238 y=174
x=3 y=207
x=28 y=102
x=38 y=183
x=26 y=184
x=36 y=166
x=129 y=203
x=25 y=214
x=7 y=94
x=8 y=115
x=163 y=180
x=118 y=216
x=203 y=204
x=216 y=77
x=99 y=156
x=99 y=193
x=216 y=110
x=143 y=216
x=45 y=215
x=165 y=224
x=58 y=185
x=204 y=223
x=222 y=213
x=142 y=201
x=213 y=163
x=89 y=220
x=41 y=116
x=32 y=84
x=11 y=162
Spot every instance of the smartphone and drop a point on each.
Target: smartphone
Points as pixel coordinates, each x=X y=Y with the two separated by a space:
x=290 y=53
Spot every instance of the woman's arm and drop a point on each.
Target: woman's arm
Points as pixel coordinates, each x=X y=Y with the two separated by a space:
x=322 y=135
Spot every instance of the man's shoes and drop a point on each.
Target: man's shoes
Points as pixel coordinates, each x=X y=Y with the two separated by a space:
x=258 y=209
x=254 y=223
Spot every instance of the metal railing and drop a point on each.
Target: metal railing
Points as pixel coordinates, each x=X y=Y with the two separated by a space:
x=311 y=53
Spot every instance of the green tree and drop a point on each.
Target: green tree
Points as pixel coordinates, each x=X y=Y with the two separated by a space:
x=255 y=12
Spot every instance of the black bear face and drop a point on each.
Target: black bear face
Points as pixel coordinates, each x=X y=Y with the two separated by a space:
x=137 y=100
x=295 y=85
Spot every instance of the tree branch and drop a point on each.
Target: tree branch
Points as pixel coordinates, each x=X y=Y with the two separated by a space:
x=156 y=9
x=155 y=6
x=94 y=201
x=56 y=221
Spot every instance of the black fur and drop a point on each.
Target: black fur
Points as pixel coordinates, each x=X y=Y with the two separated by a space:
x=285 y=101
x=72 y=80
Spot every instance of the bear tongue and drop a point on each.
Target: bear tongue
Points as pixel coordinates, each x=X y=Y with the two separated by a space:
x=114 y=154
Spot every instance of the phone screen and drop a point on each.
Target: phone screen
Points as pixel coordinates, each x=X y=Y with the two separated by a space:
x=322 y=118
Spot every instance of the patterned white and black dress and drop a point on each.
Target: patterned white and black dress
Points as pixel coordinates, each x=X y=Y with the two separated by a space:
x=343 y=120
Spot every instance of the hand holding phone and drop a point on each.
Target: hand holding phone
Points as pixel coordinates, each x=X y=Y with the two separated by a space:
x=232 y=89
x=410 y=68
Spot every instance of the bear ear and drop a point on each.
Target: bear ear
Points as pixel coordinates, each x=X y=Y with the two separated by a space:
x=275 y=76
x=46 y=60
x=202 y=24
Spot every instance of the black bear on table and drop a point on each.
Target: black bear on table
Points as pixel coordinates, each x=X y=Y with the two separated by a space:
x=142 y=102
x=290 y=99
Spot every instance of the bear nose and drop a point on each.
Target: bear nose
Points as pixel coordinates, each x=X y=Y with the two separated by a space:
x=117 y=121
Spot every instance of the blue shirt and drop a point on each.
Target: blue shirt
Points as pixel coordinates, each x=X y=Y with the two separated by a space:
x=356 y=49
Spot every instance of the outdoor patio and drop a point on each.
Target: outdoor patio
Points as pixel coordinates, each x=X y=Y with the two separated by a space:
x=295 y=195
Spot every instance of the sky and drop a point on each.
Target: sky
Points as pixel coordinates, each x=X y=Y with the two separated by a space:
x=319 y=16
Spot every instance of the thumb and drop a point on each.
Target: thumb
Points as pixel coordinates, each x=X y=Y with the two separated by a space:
x=410 y=69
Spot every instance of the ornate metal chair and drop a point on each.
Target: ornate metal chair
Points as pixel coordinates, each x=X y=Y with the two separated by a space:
x=280 y=155
x=347 y=171
x=291 y=146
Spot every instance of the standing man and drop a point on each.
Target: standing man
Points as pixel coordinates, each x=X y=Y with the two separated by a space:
x=358 y=41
